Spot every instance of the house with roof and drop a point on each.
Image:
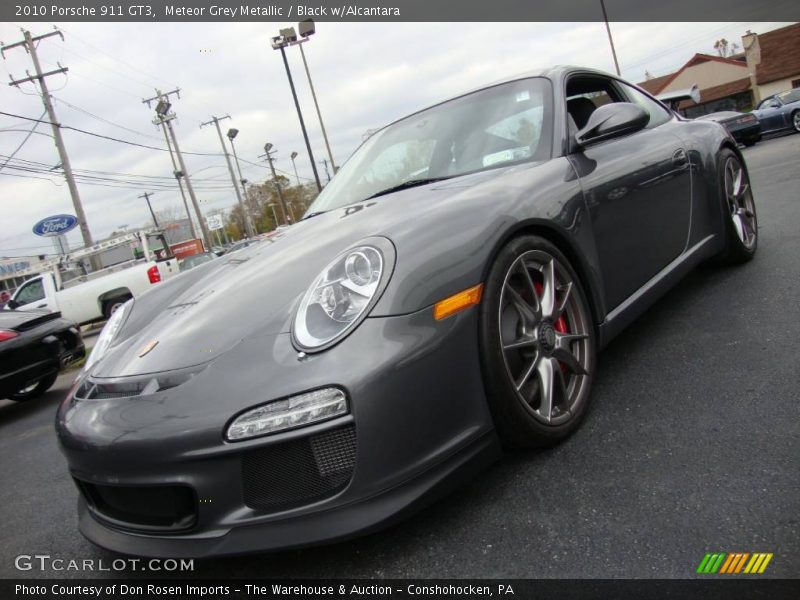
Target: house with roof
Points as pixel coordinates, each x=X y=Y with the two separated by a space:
x=769 y=64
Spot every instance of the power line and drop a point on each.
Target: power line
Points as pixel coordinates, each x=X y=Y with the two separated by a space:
x=104 y=120
x=105 y=137
x=148 y=179
x=27 y=137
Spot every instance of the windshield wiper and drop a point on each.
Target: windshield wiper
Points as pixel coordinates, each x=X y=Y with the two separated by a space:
x=406 y=184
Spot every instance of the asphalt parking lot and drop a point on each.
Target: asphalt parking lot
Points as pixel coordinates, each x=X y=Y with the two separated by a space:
x=692 y=446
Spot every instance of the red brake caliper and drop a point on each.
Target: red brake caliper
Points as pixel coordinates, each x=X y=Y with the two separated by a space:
x=561 y=325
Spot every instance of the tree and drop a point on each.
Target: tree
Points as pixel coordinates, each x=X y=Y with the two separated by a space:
x=725 y=49
x=263 y=202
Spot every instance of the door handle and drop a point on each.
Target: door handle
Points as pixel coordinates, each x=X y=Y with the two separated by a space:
x=41 y=306
x=679 y=158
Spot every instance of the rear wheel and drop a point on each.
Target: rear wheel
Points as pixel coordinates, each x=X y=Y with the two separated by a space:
x=537 y=344
x=35 y=389
x=113 y=305
x=741 y=223
x=796 y=120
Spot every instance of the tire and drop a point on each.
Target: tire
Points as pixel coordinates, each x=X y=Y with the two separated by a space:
x=37 y=389
x=561 y=329
x=740 y=222
x=796 y=121
x=114 y=304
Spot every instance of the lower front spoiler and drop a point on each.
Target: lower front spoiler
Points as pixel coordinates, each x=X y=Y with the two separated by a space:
x=326 y=526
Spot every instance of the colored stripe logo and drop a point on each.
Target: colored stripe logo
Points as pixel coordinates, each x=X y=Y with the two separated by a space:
x=732 y=563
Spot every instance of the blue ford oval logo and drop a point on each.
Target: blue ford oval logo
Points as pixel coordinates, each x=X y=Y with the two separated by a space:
x=55 y=225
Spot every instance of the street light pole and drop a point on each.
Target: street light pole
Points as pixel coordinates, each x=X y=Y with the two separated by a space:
x=293 y=155
x=314 y=96
x=232 y=133
x=279 y=43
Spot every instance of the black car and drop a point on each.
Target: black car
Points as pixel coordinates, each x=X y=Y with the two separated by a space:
x=34 y=347
x=443 y=298
x=744 y=127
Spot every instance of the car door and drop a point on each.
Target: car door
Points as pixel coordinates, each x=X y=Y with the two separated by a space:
x=36 y=294
x=770 y=114
x=638 y=189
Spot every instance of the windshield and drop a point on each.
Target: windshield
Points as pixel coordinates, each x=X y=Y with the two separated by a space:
x=498 y=126
x=790 y=96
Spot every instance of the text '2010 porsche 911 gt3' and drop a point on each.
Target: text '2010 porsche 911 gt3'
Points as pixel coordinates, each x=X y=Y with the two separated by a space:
x=444 y=297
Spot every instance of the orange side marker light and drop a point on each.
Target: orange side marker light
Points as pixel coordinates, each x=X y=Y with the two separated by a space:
x=457 y=302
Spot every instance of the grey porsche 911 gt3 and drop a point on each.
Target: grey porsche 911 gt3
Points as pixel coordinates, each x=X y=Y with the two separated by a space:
x=443 y=298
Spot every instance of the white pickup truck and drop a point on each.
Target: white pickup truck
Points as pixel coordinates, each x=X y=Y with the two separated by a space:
x=94 y=296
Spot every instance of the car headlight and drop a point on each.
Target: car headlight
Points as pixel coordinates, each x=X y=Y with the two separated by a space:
x=343 y=294
x=108 y=333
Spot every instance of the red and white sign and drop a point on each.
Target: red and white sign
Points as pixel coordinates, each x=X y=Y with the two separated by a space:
x=187 y=248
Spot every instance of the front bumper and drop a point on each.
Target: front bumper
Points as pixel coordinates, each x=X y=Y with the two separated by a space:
x=417 y=409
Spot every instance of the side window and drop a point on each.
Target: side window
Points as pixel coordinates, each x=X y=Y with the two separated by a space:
x=658 y=114
x=30 y=292
x=584 y=95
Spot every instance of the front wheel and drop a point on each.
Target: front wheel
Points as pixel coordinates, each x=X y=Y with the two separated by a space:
x=35 y=389
x=796 y=120
x=537 y=344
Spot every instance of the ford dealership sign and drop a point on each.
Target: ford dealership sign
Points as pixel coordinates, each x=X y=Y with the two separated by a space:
x=55 y=225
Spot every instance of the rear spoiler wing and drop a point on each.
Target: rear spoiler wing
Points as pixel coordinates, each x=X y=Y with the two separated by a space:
x=672 y=99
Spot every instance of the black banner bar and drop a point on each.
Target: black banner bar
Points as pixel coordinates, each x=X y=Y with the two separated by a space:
x=398 y=10
x=739 y=587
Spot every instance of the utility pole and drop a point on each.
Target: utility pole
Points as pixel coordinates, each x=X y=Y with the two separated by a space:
x=177 y=172
x=324 y=163
x=610 y=39
x=165 y=117
x=30 y=48
x=245 y=213
x=146 y=197
x=268 y=152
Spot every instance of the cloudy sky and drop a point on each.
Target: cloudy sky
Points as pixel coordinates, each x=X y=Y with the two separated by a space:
x=365 y=76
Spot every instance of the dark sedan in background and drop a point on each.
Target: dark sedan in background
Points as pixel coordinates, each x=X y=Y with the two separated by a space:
x=34 y=347
x=443 y=298
x=195 y=260
x=780 y=112
x=744 y=127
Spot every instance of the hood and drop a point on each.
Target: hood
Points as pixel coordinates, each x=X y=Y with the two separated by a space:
x=202 y=313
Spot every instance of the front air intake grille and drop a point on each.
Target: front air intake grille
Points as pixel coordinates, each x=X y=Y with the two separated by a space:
x=150 y=508
x=299 y=471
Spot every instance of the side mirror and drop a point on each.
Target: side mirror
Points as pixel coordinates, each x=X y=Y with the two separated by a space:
x=775 y=104
x=12 y=304
x=612 y=120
